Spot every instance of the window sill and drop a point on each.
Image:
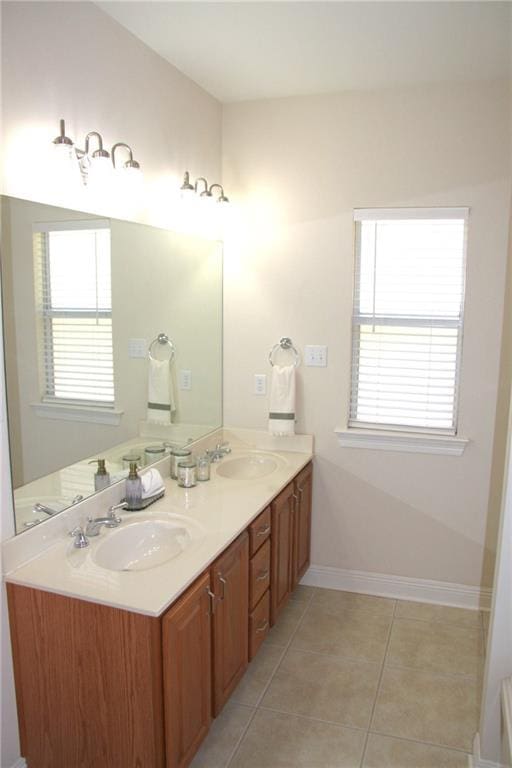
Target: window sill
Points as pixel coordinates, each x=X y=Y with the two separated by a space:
x=84 y=413
x=405 y=442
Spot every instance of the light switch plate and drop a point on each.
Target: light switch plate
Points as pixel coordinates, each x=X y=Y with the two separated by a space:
x=185 y=379
x=315 y=354
x=260 y=383
x=137 y=348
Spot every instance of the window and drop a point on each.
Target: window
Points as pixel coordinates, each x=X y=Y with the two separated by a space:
x=73 y=297
x=407 y=319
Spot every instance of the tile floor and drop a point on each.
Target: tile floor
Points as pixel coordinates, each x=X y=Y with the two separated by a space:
x=353 y=681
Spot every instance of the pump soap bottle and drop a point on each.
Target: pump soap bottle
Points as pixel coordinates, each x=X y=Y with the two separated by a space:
x=101 y=477
x=133 y=488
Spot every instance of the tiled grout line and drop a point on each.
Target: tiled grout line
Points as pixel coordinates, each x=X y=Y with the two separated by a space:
x=337 y=724
x=260 y=698
x=417 y=741
x=363 y=755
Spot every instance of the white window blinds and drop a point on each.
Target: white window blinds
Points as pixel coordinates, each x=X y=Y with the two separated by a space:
x=407 y=319
x=73 y=295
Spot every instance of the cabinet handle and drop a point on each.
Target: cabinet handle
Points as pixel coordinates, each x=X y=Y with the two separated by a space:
x=223 y=582
x=263 y=576
x=263 y=627
x=295 y=497
x=212 y=601
x=300 y=490
x=263 y=531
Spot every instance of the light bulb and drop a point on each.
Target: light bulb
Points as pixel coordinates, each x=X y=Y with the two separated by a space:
x=100 y=171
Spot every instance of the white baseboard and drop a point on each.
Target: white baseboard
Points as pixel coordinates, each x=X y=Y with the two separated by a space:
x=399 y=587
x=475 y=761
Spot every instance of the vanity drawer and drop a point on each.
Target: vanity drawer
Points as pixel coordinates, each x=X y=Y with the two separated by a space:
x=259 y=531
x=259 y=574
x=259 y=624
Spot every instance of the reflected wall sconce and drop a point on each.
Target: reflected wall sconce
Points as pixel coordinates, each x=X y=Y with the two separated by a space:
x=96 y=166
x=188 y=190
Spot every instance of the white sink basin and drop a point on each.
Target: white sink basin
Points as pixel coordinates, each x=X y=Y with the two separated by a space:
x=250 y=467
x=144 y=544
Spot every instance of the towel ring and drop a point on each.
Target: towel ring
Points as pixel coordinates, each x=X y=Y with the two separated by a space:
x=284 y=343
x=162 y=339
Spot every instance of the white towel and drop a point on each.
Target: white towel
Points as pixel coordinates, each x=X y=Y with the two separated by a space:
x=160 y=391
x=281 y=418
x=152 y=483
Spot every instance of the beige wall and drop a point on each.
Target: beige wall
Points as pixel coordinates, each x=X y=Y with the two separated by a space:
x=70 y=60
x=298 y=167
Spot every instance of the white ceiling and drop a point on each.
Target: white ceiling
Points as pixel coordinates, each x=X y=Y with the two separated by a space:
x=252 y=50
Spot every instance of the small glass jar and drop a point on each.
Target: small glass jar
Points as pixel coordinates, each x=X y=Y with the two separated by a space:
x=153 y=453
x=187 y=474
x=133 y=457
x=203 y=467
x=177 y=455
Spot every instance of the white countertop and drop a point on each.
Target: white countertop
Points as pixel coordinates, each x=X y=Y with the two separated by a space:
x=222 y=508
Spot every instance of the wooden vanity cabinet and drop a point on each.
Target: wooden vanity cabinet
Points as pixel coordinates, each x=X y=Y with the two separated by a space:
x=291 y=539
x=230 y=580
x=88 y=682
x=98 y=686
x=187 y=672
x=283 y=510
x=303 y=488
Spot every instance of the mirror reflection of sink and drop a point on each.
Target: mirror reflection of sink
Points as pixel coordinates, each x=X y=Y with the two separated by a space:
x=249 y=467
x=27 y=516
x=144 y=544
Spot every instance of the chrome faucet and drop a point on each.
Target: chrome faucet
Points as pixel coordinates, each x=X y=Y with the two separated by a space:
x=220 y=450
x=109 y=521
x=42 y=508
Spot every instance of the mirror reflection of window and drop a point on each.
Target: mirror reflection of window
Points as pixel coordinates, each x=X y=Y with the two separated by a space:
x=73 y=298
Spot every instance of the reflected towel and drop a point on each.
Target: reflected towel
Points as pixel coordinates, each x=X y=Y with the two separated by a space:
x=152 y=483
x=281 y=418
x=160 y=391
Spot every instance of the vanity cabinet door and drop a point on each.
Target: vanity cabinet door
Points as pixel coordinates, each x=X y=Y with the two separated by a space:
x=283 y=511
x=186 y=643
x=230 y=579
x=302 y=522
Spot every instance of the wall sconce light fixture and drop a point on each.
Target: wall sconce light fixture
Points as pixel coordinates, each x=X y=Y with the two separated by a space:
x=188 y=190
x=96 y=166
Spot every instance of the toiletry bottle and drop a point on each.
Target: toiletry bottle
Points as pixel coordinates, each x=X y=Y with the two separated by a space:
x=133 y=488
x=101 y=477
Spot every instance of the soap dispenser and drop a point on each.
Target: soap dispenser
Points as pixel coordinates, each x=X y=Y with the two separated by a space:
x=101 y=477
x=133 y=488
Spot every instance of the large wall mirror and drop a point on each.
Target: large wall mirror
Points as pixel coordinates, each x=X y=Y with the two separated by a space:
x=113 y=345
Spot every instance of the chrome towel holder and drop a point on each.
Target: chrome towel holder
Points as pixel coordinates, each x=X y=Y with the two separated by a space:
x=287 y=344
x=162 y=339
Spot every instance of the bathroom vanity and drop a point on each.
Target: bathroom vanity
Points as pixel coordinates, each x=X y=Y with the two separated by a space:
x=126 y=669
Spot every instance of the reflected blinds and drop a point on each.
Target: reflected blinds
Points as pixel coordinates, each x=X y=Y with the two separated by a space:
x=407 y=320
x=73 y=298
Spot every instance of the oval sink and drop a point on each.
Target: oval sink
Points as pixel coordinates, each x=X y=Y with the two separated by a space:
x=144 y=544
x=252 y=467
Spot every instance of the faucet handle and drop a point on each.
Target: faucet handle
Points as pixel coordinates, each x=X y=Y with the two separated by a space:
x=112 y=514
x=81 y=539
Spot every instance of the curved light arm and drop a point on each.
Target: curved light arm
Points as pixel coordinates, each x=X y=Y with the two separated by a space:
x=222 y=197
x=100 y=152
x=205 y=190
x=130 y=163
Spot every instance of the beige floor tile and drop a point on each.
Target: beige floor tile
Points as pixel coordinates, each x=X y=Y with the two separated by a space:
x=359 y=635
x=287 y=623
x=336 y=600
x=424 y=706
x=442 y=613
x=259 y=672
x=274 y=740
x=324 y=687
x=223 y=737
x=437 y=647
x=386 y=752
x=303 y=593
